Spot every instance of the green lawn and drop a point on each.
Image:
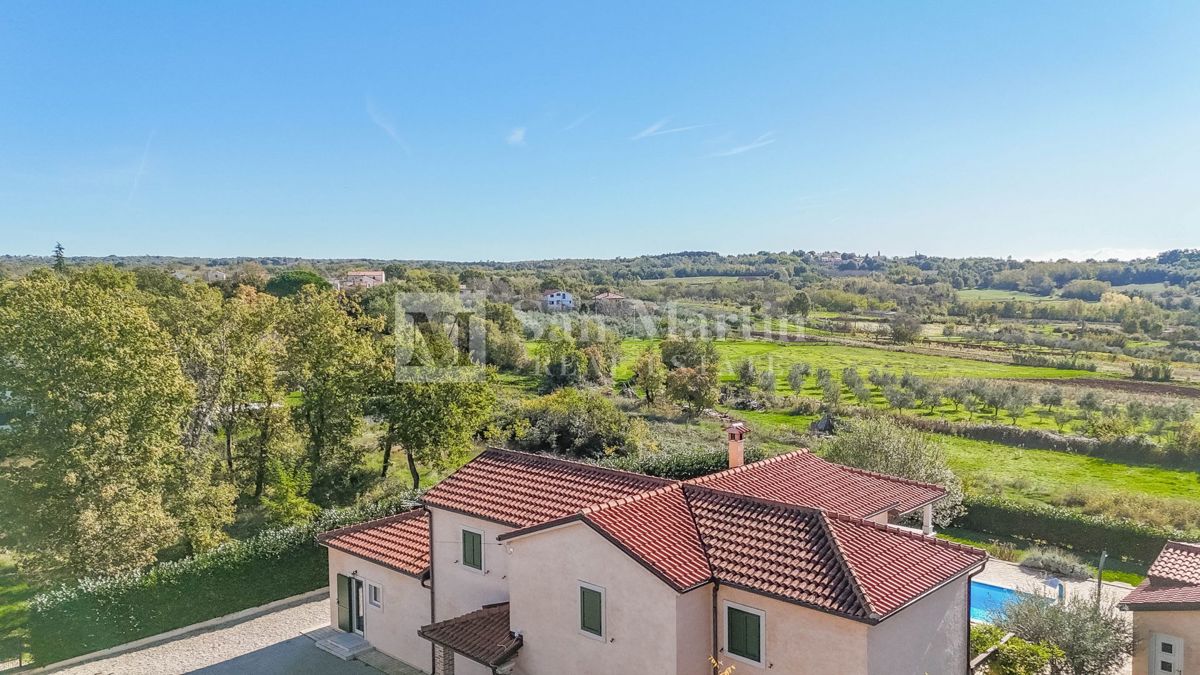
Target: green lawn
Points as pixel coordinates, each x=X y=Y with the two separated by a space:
x=1001 y=295
x=1124 y=571
x=13 y=594
x=781 y=356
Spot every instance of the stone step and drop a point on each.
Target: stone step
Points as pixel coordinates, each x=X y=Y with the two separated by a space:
x=345 y=646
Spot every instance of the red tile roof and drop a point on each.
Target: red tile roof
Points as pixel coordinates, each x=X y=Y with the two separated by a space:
x=520 y=489
x=805 y=479
x=399 y=542
x=482 y=635
x=836 y=563
x=1173 y=581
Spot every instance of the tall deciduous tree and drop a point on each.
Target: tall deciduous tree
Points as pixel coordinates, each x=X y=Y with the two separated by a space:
x=93 y=476
x=331 y=359
x=649 y=375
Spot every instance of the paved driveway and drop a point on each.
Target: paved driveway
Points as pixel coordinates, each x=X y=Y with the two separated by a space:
x=271 y=644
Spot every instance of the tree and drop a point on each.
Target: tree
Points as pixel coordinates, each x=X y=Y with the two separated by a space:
x=1017 y=399
x=693 y=388
x=881 y=445
x=289 y=283
x=579 y=423
x=330 y=360
x=799 y=304
x=747 y=374
x=904 y=328
x=797 y=374
x=1051 y=398
x=96 y=397
x=766 y=380
x=1094 y=636
x=649 y=375
x=60 y=258
x=900 y=399
x=432 y=422
x=563 y=363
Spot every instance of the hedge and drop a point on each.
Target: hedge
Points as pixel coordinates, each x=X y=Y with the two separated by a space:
x=1064 y=527
x=95 y=614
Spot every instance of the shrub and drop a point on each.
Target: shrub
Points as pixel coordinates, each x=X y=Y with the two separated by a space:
x=1019 y=657
x=1093 y=637
x=94 y=614
x=680 y=465
x=1155 y=372
x=1061 y=362
x=984 y=636
x=575 y=422
x=1056 y=561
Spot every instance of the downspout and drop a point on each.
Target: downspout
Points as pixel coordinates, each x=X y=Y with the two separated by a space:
x=715 y=662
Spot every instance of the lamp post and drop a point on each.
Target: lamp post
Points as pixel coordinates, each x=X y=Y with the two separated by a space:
x=1100 y=577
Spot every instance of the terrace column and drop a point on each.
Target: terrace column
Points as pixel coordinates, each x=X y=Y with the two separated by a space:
x=443 y=661
x=927 y=519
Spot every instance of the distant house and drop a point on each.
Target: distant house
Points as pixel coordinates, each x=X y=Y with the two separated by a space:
x=555 y=299
x=1166 y=613
x=363 y=279
x=533 y=565
x=215 y=275
x=182 y=276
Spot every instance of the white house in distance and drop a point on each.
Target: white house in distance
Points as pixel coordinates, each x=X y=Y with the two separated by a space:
x=555 y=299
x=212 y=275
x=362 y=279
x=533 y=565
x=1166 y=613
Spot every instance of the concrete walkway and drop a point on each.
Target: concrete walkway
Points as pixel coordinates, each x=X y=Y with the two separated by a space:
x=1012 y=575
x=270 y=644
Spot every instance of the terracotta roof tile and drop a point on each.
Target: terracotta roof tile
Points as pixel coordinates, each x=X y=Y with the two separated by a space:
x=482 y=635
x=520 y=489
x=803 y=478
x=657 y=529
x=399 y=542
x=1173 y=579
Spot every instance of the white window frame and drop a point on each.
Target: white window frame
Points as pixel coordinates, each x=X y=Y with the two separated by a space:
x=762 y=634
x=482 y=550
x=374 y=589
x=603 y=636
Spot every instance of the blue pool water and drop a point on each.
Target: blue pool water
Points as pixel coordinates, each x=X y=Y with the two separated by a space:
x=987 y=599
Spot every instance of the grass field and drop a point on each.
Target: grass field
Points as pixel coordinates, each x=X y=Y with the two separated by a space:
x=13 y=594
x=1127 y=572
x=781 y=357
x=1001 y=295
x=693 y=281
x=1036 y=475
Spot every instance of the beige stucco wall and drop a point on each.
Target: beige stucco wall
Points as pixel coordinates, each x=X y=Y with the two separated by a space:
x=799 y=640
x=929 y=636
x=392 y=629
x=1183 y=624
x=641 y=612
x=459 y=589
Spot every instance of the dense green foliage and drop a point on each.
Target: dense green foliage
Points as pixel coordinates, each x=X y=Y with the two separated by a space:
x=291 y=281
x=575 y=422
x=1065 y=527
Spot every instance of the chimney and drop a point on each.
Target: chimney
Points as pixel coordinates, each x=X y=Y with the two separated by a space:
x=737 y=446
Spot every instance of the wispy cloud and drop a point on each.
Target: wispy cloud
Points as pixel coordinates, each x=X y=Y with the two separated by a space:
x=578 y=121
x=384 y=122
x=660 y=128
x=760 y=142
x=137 y=176
x=516 y=137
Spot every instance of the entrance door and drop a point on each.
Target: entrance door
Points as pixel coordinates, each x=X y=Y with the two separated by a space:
x=1166 y=655
x=351 y=604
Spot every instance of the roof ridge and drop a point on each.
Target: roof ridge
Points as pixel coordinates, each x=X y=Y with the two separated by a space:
x=751 y=498
x=628 y=499
x=368 y=524
x=1190 y=546
x=847 y=568
x=745 y=467
x=885 y=476
x=573 y=463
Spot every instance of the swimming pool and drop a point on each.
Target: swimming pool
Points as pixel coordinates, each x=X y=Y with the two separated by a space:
x=987 y=599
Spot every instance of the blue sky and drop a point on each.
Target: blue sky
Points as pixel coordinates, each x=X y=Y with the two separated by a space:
x=528 y=130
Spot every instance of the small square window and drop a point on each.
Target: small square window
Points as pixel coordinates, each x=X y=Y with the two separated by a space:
x=1166 y=666
x=375 y=595
x=1166 y=648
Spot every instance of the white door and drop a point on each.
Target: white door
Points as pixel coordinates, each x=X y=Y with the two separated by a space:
x=1166 y=655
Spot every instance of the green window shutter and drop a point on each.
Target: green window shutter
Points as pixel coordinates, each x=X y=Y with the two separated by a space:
x=591 y=611
x=472 y=555
x=343 y=602
x=743 y=634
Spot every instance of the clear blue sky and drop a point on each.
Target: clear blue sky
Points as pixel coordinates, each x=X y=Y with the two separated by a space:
x=519 y=130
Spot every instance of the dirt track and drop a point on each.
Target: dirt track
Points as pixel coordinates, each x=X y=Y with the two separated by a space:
x=1131 y=386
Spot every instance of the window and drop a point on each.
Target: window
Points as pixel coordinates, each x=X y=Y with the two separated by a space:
x=743 y=633
x=472 y=553
x=591 y=610
x=374 y=595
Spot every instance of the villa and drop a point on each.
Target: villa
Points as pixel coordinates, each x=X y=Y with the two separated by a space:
x=528 y=564
x=1166 y=613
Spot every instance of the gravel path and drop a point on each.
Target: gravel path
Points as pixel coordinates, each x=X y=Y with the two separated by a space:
x=268 y=644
